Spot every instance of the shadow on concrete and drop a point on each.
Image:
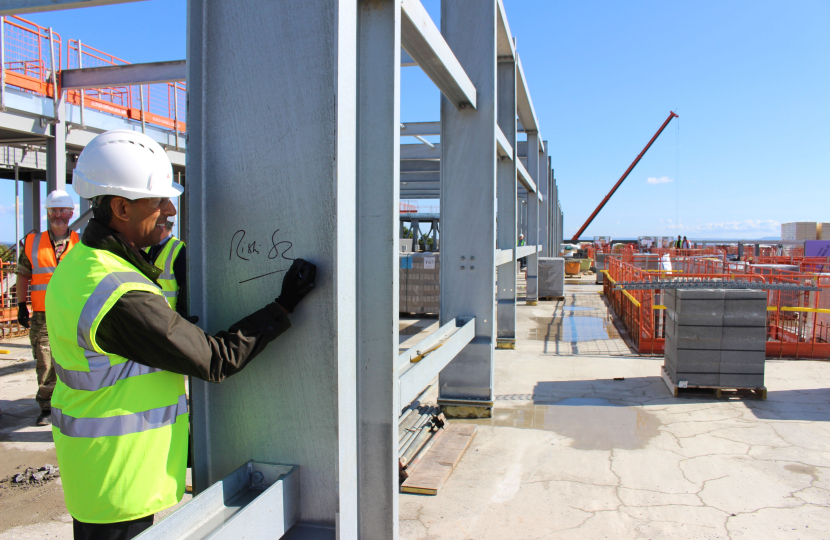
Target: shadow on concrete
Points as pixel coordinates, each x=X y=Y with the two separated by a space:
x=17 y=368
x=798 y=405
x=17 y=422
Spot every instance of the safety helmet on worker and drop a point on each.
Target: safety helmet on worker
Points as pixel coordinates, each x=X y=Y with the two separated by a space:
x=125 y=164
x=59 y=199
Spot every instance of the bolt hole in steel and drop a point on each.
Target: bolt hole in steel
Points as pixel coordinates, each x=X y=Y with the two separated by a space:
x=257 y=477
x=462 y=268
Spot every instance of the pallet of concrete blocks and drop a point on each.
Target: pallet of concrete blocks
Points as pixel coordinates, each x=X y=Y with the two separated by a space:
x=551 y=278
x=716 y=338
x=420 y=294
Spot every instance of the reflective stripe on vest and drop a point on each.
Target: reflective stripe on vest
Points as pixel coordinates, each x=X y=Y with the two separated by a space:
x=167 y=279
x=41 y=255
x=114 y=426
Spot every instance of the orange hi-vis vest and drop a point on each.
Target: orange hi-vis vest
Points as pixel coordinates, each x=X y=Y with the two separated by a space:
x=42 y=256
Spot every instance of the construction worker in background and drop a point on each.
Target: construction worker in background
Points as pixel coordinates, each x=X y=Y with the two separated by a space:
x=170 y=257
x=523 y=260
x=119 y=410
x=679 y=243
x=41 y=254
x=686 y=244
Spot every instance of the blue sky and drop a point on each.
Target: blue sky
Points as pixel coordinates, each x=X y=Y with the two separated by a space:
x=749 y=80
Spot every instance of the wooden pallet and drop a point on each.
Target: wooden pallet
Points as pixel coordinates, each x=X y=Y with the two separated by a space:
x=716 y=391
x=428 y=476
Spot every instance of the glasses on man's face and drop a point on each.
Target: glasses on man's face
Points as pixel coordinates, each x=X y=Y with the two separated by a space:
x=158 y=202
x=55 y=212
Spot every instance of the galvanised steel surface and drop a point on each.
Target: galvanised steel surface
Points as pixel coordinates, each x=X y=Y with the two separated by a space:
x=506 y=191
x=56 y=151
x=711 y=284
x=468 y=196
x=257 y=199
x=378 y=217
x=534 y=220
x=544 y=189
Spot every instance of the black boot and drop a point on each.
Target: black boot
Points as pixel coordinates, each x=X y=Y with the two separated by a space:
x=45 y=417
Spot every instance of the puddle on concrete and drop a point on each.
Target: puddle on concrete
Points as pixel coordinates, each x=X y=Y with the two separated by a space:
x=572 y=329
x=593 y=424
x=578 y=308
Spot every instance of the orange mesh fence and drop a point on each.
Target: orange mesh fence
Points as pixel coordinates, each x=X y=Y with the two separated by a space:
x=798 y=322
x=9 y=326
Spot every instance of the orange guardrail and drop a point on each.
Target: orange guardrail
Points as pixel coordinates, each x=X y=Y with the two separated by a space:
x=9 y=327
x=798 y=322
x=27 y=62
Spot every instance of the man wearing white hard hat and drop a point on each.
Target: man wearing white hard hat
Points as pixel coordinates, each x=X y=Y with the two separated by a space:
x=41 y=254
x=119 y=410
x=170 y=256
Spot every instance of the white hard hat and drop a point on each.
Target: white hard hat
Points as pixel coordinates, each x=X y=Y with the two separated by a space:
x=124 y=163
x=59 y=199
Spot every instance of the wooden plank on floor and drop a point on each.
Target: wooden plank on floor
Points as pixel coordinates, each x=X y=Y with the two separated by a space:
x=437 y=465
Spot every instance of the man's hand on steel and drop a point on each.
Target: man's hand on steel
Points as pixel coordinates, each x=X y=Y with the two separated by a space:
x=298 y=282
x=23 y=314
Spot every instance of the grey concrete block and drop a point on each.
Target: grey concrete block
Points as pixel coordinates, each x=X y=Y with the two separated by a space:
x=695 y=337
x=669 y=300
x=743 y=380
x=741 y=338
x=752 y=362
x=701 y=294
x=698 y=361
x=699 y=379
x=745 y=294
x=697 y=312
x=745 y=312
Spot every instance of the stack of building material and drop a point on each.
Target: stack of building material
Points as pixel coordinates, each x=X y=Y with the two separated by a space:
x=418 y=429
x=801 y=230
x=716 y=337
x=823 y=231
x=419 y=283
x=551 y=277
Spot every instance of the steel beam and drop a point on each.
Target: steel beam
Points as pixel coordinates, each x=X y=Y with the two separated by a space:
x=426 y=344
x=421 y=128
x=424 y=42
x=505 y=48
x=504 y=256
x=378 y=161
x=31 y=207
x=124 y=75
x=291 y=191
x=525 y=109
x=524 y=177
x=20 y=7
x=468 y=194
x=420 y=151
x=406 y=60
x=415 y=377
x=506 y=190
x=524 y=251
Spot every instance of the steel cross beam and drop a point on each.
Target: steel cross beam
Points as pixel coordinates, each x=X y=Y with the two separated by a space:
x=20 y=7
x=126 y=75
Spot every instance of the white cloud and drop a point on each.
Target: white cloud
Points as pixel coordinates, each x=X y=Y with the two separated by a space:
x=661 y=180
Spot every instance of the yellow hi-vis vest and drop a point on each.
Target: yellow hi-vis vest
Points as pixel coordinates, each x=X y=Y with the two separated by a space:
x=120 y=428
x=167 y=279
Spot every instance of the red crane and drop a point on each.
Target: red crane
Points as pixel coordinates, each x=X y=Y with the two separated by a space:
x=624 y=176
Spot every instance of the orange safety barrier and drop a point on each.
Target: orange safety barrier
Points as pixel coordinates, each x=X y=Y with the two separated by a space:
x=28 y=66
x=798 y=322
x=9 y=327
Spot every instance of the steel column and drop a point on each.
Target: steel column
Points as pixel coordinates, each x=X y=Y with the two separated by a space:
x=544 y=189
x=291 y=191
x=533 y=211
x=506 y=190
x=56 y=151
x=31 y=207
x=468 y=213
x=378 y=211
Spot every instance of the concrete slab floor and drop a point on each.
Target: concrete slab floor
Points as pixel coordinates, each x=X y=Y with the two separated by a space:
x=572 y=453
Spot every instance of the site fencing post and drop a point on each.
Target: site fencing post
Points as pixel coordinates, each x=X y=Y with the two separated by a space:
x=82 y=91
x=141 y=102
x=176 y=112
x=16 y=208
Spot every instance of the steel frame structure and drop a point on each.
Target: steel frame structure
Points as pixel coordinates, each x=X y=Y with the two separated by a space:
x=326 y=397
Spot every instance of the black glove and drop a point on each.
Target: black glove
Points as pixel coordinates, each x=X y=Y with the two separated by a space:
x=23 y=314
x=298 y=282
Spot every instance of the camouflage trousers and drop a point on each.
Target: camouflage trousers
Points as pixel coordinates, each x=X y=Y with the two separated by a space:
x=46 y=378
